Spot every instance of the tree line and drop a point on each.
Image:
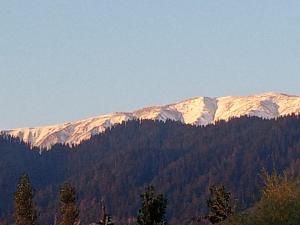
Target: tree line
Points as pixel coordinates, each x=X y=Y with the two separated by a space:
x=183 y=161
x=279 y=204
x=152 y=211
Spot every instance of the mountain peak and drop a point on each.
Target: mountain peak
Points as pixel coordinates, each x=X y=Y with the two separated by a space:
x=272 y=93
x=276 y=94
x=196 y=111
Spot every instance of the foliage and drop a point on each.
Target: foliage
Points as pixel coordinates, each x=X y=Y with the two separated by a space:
x=25 y=209
x=279 y=204
x=68 y=210
x=153 y=208
x=182 y=160
x=220 y=204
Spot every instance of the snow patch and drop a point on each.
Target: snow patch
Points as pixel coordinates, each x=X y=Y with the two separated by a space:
x=196 y=111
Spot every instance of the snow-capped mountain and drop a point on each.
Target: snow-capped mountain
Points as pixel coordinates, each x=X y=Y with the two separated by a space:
x=196 y=111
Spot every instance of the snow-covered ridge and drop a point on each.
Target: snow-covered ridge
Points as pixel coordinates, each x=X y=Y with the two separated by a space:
x=196 y=111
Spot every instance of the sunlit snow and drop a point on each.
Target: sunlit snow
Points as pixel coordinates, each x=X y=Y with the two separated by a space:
x=196 y=111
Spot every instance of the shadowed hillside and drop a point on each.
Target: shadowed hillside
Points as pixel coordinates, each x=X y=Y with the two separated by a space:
x=180 y=160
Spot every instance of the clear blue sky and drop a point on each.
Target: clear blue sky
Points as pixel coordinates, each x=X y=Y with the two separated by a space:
x=67 y=60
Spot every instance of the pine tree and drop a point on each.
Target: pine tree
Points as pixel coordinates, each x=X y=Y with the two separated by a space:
x=68 y=210
x=153 y=208
x=25 y=209
x=220 y=204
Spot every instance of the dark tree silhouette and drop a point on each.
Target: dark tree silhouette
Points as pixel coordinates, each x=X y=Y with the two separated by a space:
x=153 y=208
x=220 y=204
x=68 y=210
x=25 y=209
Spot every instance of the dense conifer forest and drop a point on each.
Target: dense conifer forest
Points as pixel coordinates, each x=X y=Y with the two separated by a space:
x=180 y=161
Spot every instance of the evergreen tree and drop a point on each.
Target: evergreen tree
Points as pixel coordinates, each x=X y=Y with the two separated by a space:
x=25 y=209
x=153 y=208
x=68 y=210
x=219 y=204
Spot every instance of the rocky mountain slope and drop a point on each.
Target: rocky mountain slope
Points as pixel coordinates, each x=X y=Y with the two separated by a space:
x=196 y=111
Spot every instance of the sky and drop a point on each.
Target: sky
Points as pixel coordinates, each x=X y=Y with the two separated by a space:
x=67 y=60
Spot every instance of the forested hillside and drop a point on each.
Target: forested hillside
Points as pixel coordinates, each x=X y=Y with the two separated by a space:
x=181 y=161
